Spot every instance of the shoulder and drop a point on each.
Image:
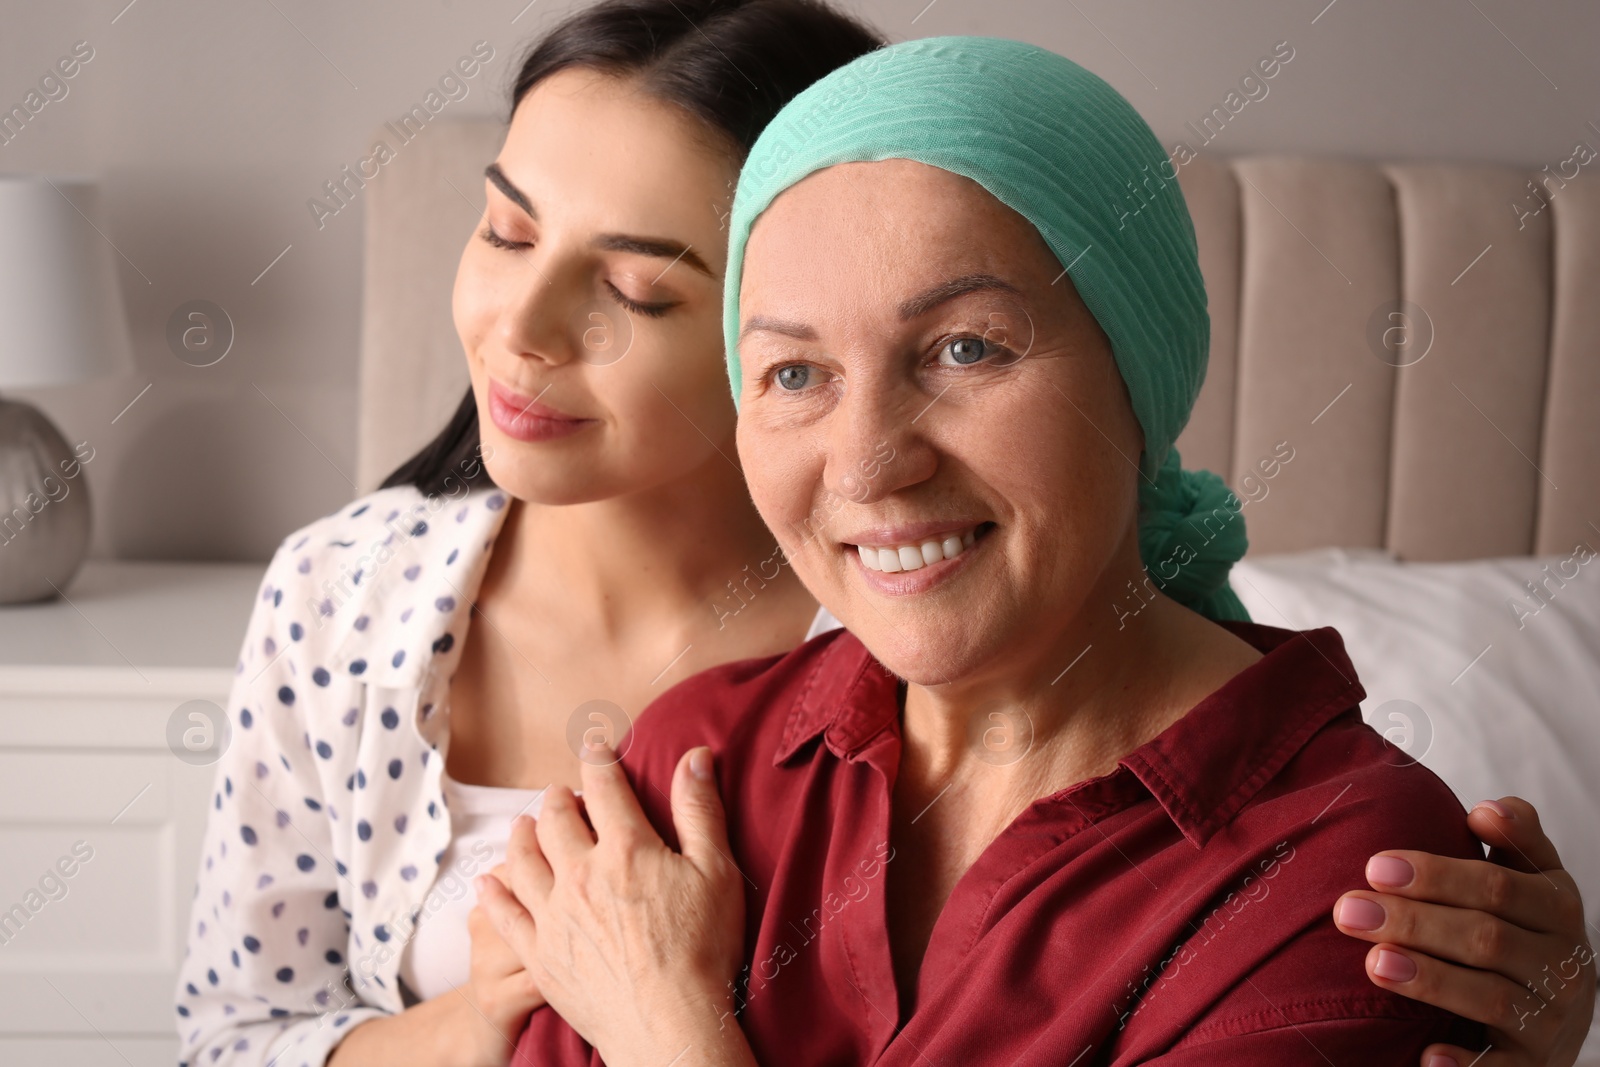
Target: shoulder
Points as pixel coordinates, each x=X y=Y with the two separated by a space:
x=320 y=567
x=309 y=554
x=1305 y=759
x=1343 y=796
x=328 y=578
x=1289 y=972
x=1365 y=795
x=1266 y=885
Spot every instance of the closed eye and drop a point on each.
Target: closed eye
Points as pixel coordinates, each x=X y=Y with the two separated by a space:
x=654 y=311
x=490 y=237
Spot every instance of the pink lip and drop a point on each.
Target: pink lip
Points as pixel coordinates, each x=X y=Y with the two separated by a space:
x=525 y=419
x=909 y=533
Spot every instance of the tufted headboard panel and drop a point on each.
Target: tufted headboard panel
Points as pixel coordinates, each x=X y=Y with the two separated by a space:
x=1403 y=356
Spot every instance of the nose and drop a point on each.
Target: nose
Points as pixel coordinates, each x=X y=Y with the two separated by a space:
x=543 y=315
x=876 y=446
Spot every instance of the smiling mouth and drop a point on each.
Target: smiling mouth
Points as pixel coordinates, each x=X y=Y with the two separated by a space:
x=914 y=555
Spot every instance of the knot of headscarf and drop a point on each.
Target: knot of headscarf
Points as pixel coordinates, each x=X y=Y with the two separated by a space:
x=1062 y=148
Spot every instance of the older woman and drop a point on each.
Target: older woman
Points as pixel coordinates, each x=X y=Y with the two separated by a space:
x=1001 y=819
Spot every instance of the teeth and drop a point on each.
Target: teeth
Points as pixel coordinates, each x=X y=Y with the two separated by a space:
x=915 y=557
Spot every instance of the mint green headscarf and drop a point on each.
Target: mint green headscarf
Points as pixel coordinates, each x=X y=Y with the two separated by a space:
x=1063 y=149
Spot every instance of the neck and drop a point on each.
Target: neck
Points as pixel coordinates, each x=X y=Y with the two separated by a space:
x=1067 y=708
x=648 y=559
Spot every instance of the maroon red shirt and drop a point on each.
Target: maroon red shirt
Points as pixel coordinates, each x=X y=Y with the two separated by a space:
x=1176 y=910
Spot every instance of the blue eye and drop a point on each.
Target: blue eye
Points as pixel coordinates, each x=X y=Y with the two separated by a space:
x=964 y=351
x=794 y=377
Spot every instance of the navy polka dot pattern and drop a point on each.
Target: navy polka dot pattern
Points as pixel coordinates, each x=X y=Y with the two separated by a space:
x=303 y=907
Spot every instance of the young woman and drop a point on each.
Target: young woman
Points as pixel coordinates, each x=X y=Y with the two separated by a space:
x=422 y=664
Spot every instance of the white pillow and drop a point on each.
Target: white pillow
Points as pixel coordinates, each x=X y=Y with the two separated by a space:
x=1494 y=690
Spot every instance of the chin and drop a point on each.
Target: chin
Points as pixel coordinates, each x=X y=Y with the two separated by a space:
x=545 y=483
x=924 y=651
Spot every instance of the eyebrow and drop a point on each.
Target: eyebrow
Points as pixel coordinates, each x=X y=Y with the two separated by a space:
x=798 y=330
x=928 y=299
x=660 y=247
x=513 y=194
x=910 y=308
x=664 y=247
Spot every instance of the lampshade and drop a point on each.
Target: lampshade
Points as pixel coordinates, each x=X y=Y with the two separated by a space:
x=61 y=315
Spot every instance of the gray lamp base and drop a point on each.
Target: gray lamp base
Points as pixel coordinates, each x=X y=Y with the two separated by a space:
x=44 y=506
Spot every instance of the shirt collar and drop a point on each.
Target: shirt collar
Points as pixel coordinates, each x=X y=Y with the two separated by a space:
x=411 y=591
x=1202 y=769
x=849 y=696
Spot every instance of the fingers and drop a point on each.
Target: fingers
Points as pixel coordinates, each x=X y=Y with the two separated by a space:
x=527 y=873
x=610 y=800
x=511 y=920
x=1465 y=936
x=563 y=835
x=1487 y=998
x=697 y=813
x=1510 y=827
x=490 y=953
x=1545 y=902
x=502 y=872
x=1456 y=1056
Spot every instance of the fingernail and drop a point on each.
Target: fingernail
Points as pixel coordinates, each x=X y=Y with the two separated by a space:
x=1359 y=913
x=700 y=763
x=479 y=882
x=1439 y=1059
x=1394 y=966
x=1496 y=807
x=1390 y=870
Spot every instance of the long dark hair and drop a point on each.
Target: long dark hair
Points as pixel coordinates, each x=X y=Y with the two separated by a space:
x=732 y=64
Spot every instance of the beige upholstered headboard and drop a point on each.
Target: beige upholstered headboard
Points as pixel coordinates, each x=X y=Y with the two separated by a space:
x=1486 y=445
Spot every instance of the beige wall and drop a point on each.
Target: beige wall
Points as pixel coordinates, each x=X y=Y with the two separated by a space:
x=212 y=125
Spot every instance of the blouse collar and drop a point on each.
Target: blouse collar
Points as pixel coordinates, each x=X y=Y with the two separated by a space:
x=1202 y=769
x=401 y=607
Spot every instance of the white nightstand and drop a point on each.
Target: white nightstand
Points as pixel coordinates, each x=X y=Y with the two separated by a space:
x=88 y=685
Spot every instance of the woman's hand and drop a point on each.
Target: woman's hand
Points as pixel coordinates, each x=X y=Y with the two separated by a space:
x=635 y=945
x=1473 y=937
x=500 y=991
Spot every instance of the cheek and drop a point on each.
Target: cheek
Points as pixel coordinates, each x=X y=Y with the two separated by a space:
x=472 y=303
x=784 y=475
x=1063 y=468
x=674 y=378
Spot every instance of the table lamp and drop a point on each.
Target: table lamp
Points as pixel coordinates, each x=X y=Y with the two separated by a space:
x=61 y=321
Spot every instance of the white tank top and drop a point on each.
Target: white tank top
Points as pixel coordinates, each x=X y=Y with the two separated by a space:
x=438 y=957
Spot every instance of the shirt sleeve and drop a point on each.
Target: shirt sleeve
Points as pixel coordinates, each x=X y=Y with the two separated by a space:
x=264 y=977
x=1287 y=1012
x=1372 y=1042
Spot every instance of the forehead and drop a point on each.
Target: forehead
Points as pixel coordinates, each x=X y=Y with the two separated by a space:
x=888 y=227
x=597 y=147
